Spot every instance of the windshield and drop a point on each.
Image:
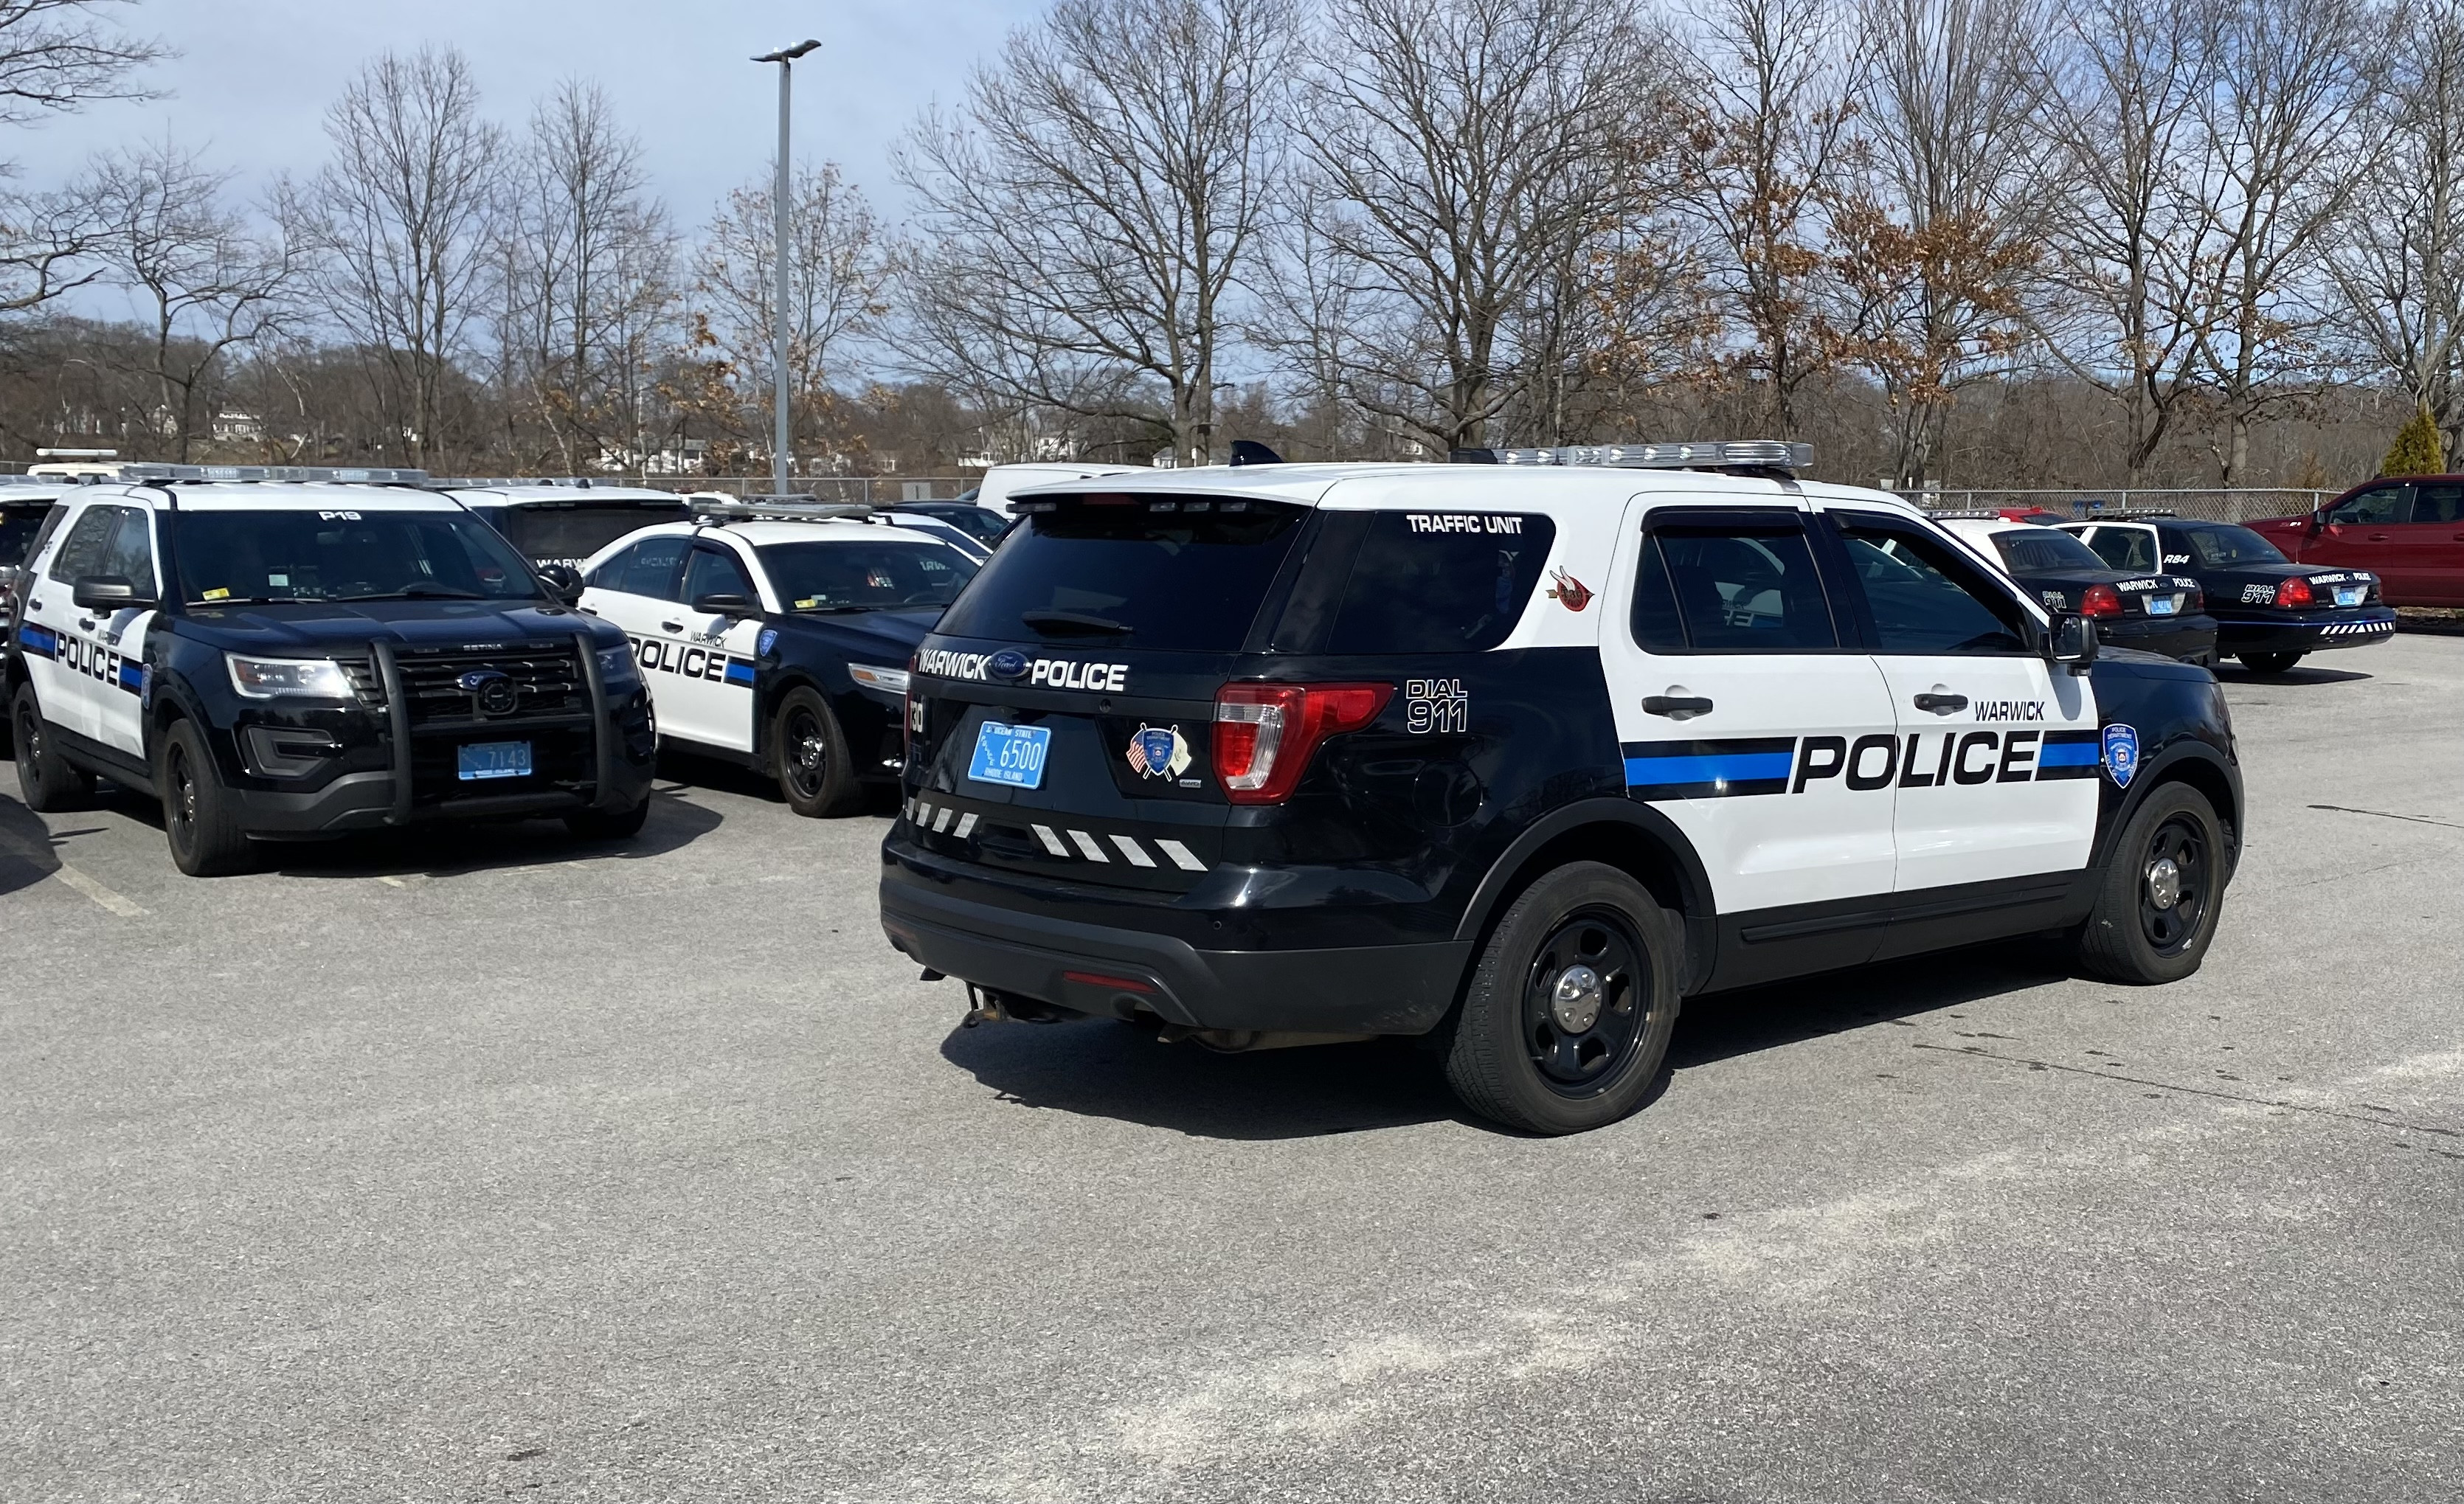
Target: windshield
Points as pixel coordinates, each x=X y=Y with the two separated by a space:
x=234 y=556
x=568 y=532
x=1186 y=575
x=2044 y=551
x=869 y=575
x=2222 y=544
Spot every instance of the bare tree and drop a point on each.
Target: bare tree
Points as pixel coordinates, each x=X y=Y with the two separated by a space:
x=2292 y=126
x=589 y=288
x=838 y=282
x=1090 y=214
x=1776 y=83
x=207 y=285
x=1934 y=237
x=56 y=57
x=401 y=224
x=2130 y=254
x=2400 y=267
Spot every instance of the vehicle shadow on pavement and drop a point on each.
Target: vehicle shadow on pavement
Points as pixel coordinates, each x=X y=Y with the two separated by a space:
x=2235 y=674
x=1105 y=1069
x=1730 y=1024
x=729 y=777
x=27 y=852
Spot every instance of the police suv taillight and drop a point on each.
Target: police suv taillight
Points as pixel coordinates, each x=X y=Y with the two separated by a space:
x=2293 y=595
x=2101 y=600
x=1265 y=734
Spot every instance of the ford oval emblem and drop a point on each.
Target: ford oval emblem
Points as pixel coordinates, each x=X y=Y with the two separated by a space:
x=1009 y=663
x=495 y=692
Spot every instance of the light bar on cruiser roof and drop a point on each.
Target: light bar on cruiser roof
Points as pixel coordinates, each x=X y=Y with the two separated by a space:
x=289 y=474
x=1717 y=455
x=495 y=482
x=715 y=508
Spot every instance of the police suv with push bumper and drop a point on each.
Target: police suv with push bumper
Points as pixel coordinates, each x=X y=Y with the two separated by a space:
x=287 y=654
x=1517 y=755
x=2270 y=612
x=775 y=634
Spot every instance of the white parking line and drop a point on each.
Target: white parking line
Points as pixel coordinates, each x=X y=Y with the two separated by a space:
x=71 y=876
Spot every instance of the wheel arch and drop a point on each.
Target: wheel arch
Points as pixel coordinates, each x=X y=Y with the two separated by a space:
x=2197 y=764
x=1625 y=834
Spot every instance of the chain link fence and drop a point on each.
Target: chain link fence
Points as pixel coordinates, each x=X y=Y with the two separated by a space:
x=2212 y=506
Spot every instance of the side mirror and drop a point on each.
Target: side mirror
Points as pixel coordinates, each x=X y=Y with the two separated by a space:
x=727 y=605
x=106 y=593
x=563 y=580
x=2071 y=641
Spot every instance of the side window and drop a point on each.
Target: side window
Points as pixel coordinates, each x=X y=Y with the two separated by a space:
x=1732 y=587
x=1925 y=598
x=1440 y=582
x=2440 y=503
x=81 y=552
x=2380 y=504
x=712 y=573
x=131 y=555
x=649 y=568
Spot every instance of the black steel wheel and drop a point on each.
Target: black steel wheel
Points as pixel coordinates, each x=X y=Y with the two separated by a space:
x=2160 y=898
x=198 y=817
x=810 y=755
x=45 y=780
x=2269 y=662
x=1583 y=1005
x=1569 y=1011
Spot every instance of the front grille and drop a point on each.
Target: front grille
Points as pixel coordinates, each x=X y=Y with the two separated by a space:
x=547 y=682
x=366 y=681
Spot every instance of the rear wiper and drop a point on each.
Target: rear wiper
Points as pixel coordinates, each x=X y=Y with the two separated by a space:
x=1066 y=623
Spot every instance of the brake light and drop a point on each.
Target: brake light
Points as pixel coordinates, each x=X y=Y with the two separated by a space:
x=1265 y=734
x=2294 y=594
x=2198 y=601
x=2101 y=600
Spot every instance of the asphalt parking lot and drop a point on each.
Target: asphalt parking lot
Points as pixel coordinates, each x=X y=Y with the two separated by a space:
x=451 y=1167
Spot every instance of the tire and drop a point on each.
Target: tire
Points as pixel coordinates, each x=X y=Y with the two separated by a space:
x=200 y=817
x=45 y=780
x=1521 y=1057
x=2269 y=662
x=2152 y=924
x=809 y=752
x=599 y=825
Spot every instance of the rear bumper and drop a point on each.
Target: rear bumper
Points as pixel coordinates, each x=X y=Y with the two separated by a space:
x=2191 y=639
x=1106 y=968
x=2305 y=632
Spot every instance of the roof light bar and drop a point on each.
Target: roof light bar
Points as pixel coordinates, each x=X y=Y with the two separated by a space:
x=494 y=482
x=1716 y=454
x=291 y=474
x=712 y=507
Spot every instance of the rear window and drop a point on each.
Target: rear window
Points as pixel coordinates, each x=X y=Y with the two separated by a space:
x=1440 y=582
x=18 y=526
x=2223 y=546
x=1186 y=574
x=2042 y=550
x=560 y=532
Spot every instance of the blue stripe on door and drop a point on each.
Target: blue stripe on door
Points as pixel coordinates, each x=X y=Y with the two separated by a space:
x=1719 y=768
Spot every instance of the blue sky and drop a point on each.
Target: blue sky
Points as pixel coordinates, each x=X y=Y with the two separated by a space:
x=254 y=76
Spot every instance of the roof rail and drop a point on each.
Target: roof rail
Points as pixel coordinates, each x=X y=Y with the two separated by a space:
x=717 y=507
x=291 y=474
x=1716 y=454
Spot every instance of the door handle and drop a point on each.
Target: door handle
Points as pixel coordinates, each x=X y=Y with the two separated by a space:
x=1941 y=703
x=672 y=626
x=587 y=610
x=1678 y=705
x=85 y=623
x=2378 y=538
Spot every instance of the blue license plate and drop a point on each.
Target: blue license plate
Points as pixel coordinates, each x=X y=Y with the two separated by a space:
x=2350 y=594
x=2162 y=606
x=1010 y=755
x=494 y=760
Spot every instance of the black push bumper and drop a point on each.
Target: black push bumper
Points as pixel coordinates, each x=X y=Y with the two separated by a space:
x=1119 y=970
x=2304 y=631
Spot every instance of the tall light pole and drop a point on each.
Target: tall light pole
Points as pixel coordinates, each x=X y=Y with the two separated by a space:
x=784 y=438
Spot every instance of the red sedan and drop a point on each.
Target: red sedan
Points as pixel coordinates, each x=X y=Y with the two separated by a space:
x=2409 y=531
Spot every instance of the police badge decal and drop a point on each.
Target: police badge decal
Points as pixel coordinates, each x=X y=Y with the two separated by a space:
x=2122 y=755
x=1158 y=752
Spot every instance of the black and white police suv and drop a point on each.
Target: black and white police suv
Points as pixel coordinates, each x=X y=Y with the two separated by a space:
x=1516 y=757
x=561 y=524
x=2270 y=612
x=2154 y=613
x=776 y=635
x=286 y=654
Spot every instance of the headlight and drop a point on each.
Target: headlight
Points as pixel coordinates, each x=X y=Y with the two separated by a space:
x=277 y=678
x=889 y=681
x=616 y=665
